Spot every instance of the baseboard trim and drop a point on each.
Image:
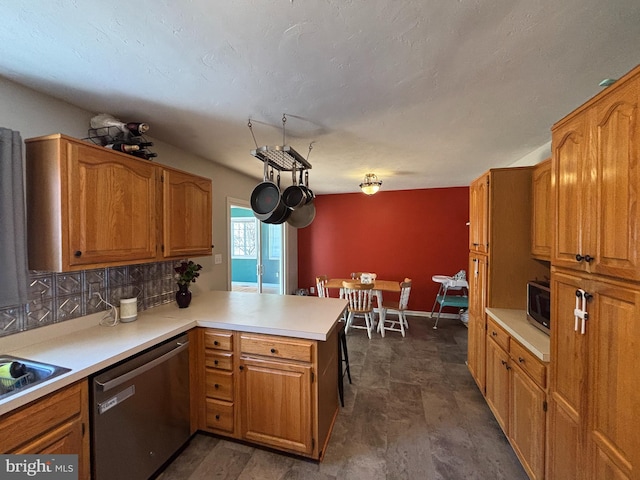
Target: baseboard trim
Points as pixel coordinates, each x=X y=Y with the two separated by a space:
x=419 y=313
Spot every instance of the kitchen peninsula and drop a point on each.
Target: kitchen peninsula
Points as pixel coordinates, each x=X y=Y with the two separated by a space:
x=275 y=342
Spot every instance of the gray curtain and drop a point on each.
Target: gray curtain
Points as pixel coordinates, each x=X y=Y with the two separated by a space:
x=13 y=234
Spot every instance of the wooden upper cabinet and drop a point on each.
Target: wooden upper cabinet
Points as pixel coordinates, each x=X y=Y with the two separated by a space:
x=596 y=175
x=542 y=211
x=616 y=131
x=111 y=202
x=573 y=193
x=479 y=214
x=187 y=214
x=89 y=207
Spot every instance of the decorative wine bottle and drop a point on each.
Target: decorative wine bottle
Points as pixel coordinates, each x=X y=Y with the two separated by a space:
x=123 y=147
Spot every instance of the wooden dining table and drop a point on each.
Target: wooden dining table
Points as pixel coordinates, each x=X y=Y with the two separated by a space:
x=379 y=286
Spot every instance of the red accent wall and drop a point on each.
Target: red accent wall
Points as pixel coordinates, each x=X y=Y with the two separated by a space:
x=398 y=234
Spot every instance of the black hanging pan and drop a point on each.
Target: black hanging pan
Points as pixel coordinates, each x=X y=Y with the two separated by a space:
x=294 y=195
x=309 y=194
x=282 y=212
x=266 y=202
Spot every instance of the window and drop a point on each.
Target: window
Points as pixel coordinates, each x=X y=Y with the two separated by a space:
x=244 y=237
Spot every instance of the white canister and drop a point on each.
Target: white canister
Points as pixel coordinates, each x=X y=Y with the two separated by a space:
x=128 y=309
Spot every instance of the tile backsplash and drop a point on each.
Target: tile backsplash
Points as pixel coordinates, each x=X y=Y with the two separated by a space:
x=56 y=297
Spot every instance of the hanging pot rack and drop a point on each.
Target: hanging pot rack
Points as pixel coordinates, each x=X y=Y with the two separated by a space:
x=283 y=158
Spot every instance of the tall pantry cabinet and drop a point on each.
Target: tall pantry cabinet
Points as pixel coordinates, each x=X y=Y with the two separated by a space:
x=594 y=432
x=500 y=263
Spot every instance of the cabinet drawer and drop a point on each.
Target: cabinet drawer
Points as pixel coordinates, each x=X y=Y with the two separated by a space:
x=277 y=347
x=500 y=336
x=218 y=340
x=39 y=417
x=219 y=384
x=529 y=363
x=219 y=360
x=219 y=415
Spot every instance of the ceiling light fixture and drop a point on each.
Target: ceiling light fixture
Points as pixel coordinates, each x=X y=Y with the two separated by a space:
x=607 y=82
x=371 y=184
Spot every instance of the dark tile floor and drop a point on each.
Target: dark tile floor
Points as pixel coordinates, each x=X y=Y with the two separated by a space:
x=412 y=412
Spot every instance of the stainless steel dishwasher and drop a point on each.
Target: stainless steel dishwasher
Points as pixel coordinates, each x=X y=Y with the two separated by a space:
x=140 y=412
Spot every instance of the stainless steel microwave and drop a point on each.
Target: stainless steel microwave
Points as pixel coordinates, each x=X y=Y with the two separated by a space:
x=539 y=305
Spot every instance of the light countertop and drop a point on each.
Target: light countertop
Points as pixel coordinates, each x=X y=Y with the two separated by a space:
x=86 y=347
x=515 y=322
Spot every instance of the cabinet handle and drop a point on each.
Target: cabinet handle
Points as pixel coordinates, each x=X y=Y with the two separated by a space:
x=273 y=350
x=508 y=367
x=77 y=253
x=495 y=334
x=521 y=360
x=503 y=362
x=216 y=343
x=216 y=385
x=241 y=367
x=588 y=258
x=579 y=257
x=217 y=417
x=215 y=362
x=587 y=296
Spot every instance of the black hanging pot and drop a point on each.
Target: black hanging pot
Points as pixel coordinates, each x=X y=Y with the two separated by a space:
x=295 y=195
x=266 y=203
x=309 y=194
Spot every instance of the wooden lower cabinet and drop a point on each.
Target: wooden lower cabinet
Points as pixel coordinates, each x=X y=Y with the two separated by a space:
x=498 y=376
x=595 y=389
x=55 y=424
x=275 y=391
x=476 y=357
x=276 y=404
x=515 y=392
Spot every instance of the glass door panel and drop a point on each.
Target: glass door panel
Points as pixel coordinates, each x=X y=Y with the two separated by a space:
x=256 y=261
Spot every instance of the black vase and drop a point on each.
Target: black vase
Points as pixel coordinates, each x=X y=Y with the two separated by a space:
x=183 y=296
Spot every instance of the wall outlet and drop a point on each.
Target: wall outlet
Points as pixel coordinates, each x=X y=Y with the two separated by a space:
x=217 y=258
x=312 y=290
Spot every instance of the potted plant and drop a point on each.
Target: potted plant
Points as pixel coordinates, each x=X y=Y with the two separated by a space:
x=186 y=273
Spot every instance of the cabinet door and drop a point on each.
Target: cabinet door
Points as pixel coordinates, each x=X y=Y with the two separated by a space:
x=479 y=214
x=568 y=395
x=573 y=197
x=187 y=215
x=498 y=383
x=276 y=404
x=613 y=332
x=527 y=422
x=476 y=357
x=541 y=214
x=617 y=136
x=111 y=205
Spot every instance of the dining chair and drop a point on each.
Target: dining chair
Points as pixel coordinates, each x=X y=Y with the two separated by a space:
x=395 y=308
x=321 y=286
x=359 y=297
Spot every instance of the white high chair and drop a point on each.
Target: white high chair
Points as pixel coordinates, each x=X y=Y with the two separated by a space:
x=448 y=284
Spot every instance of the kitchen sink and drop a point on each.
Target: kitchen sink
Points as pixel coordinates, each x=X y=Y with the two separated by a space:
x=36 y=372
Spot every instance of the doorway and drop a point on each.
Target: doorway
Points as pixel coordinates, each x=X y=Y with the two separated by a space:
x=256 y=251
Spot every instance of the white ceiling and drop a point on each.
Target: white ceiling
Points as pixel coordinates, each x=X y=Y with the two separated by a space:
x=423 y=93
